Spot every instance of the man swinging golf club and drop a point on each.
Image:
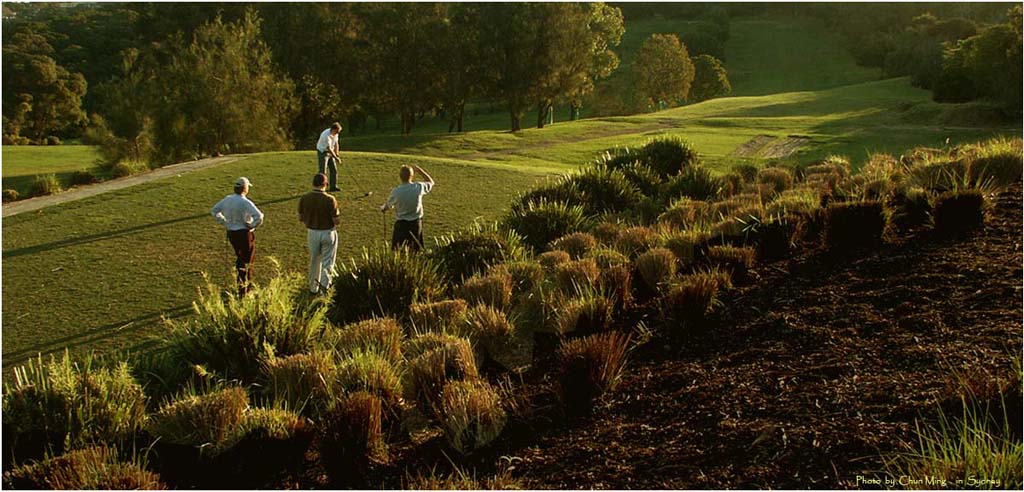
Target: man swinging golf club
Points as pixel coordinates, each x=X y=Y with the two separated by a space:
x=327 y=153
x=240 y=217
x=407 y=200
x=318 y=211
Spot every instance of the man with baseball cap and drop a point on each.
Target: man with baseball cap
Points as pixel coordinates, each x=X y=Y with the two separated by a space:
x=318 y=211
x=240 y=217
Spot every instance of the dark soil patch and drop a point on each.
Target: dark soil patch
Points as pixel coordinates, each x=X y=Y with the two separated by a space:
x=811 y=373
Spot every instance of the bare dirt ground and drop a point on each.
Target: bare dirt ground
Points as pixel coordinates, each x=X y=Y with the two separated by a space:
x=78 y=193
x=813 y=372
x=770 y=147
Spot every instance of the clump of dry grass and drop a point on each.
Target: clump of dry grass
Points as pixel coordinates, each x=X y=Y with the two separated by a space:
x=607 y=232
x=450 y=359
x=470 y=414
x=734 y=260
x=92 y=468
x=526 y=275
x=635 y=240
x=551 y=259
x=854 y=224
x=690 y=300
x=656 y=266
x=589 y=367
x=685 y=212
x=368 y=371
x=574 y=274
x=382 y=336
x=590 y=312
x=779 y=179
x=493 y=290
x=300 y=382
x=577 y=244
x=959 y=212
x=211 y=421
x=438 y=316
x=352 y=437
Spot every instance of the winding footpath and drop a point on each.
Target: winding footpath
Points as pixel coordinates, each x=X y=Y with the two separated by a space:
x=78 y=193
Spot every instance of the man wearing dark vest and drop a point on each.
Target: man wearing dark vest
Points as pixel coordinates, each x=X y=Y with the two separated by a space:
x=318 y=211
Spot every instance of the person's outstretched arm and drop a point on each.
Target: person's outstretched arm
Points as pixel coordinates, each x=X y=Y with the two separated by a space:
x=426 y=177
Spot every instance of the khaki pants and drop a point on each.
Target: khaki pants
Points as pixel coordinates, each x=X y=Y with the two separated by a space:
x=323 y=249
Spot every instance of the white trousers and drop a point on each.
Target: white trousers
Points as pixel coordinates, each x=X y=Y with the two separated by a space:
x=323 y=249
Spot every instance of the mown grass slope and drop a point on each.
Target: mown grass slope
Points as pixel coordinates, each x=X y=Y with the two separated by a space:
x=100 y=272
x=21 y=163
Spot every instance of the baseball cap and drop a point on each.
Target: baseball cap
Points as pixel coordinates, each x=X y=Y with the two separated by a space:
x=243 y=181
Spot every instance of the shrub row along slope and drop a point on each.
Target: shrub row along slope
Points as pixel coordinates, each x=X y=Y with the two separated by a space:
x=446 y=350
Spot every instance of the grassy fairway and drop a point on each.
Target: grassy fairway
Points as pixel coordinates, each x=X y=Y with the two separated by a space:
x=99 y=273
x=22 y=162
x=853 y=120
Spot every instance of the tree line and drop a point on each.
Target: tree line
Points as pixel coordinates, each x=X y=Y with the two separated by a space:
x=164 y=82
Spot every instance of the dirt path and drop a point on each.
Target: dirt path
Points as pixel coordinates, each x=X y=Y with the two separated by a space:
x=813 y=372
x=78 y=193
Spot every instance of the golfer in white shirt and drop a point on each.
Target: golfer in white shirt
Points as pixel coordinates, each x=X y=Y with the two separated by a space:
x=240 y=217
x=327 y=154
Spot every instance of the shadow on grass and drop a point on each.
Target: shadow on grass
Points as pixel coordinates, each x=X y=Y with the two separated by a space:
x=93 y=335
x=77 y=241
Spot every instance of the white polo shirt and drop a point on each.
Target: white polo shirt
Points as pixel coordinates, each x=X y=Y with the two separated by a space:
x=236 y=213
x=327 y=141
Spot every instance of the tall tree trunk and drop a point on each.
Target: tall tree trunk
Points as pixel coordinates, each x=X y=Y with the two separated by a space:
x=574 y=112
x=461 y=115
x=516 y=124
x=542 y=114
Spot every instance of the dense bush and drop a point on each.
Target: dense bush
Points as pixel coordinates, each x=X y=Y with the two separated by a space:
x=541 y=222
x=474 y=250
x=44 y=184
x=300 y=382
x=577 y=244
x=381 y=336
x=851 y=225
x=235 y=336
x=669 y=156
x=607 y=232
x=608 y=257
x=82 y=178
x=10 y=195
x=441 y=316
x=488 y=328
x=470 y=414
x=643 y=178
x=694 y=182
x=493 y=290
x=52 y=140
x=589 y=367
x=383 y=283
x=959 y=212
x=211 y=422
x=618 y=281
x=126 y=167
x=93 y=468
x=53 y=406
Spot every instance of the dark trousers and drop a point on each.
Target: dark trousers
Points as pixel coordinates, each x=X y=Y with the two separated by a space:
x=325 y=161
x=244 y=242
x=407 y=233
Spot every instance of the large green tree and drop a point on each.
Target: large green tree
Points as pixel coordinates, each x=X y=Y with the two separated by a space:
x=663 y=69
x=40 y=97
x=710 y=79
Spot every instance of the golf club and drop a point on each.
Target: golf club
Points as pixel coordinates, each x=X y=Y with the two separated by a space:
x=359 y=184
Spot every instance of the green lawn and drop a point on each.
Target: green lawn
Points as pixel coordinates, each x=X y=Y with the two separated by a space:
x=22 y=162
x=97 y=274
